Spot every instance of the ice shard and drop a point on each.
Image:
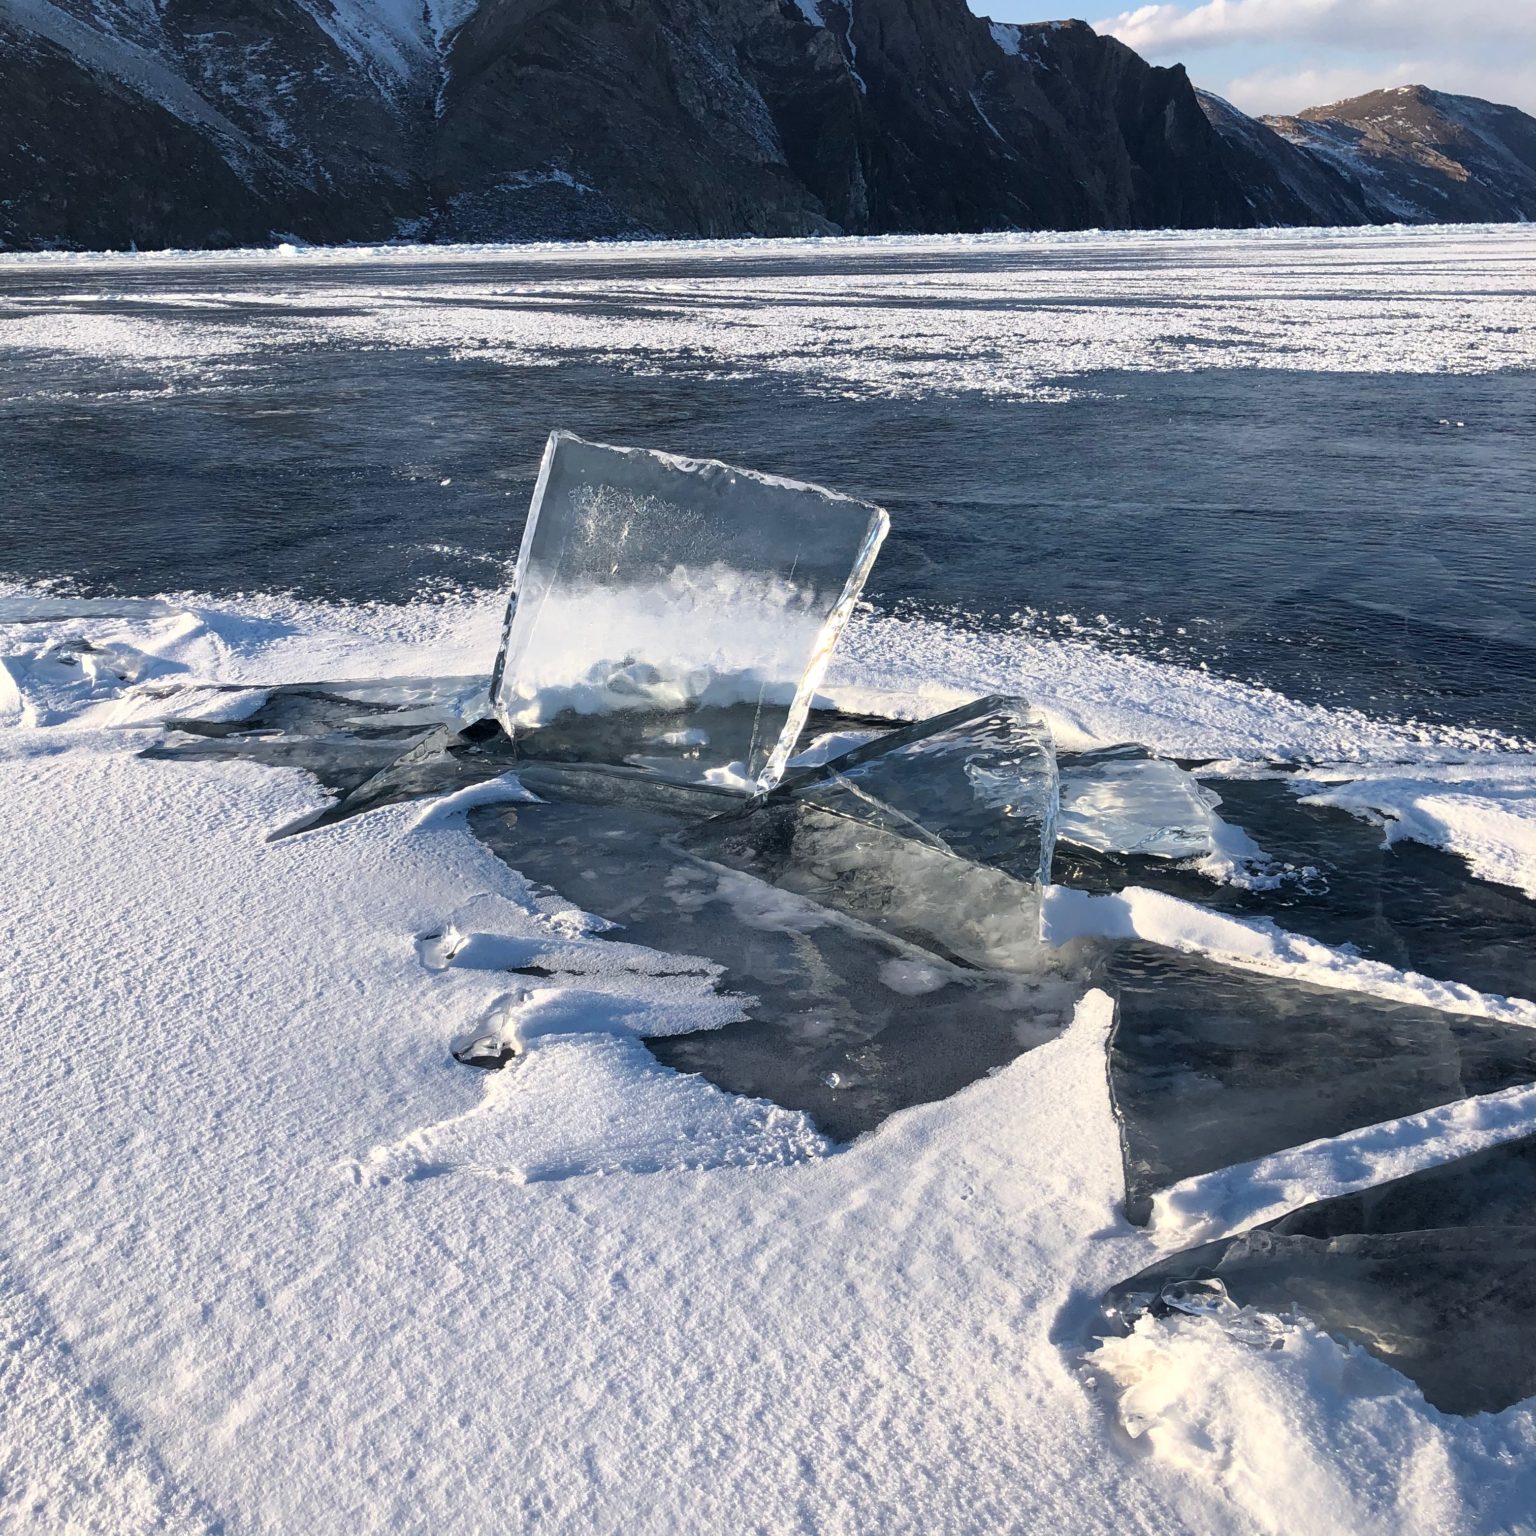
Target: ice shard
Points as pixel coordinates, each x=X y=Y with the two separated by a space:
x=1124 y=800
x=697 y=602
x=1210 y=1067
x=1435 y=1273
x=344 y=733
x=939 y=833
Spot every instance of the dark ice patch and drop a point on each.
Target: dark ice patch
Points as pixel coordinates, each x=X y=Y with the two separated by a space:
x=1435 y=1273
x=1210 y=1067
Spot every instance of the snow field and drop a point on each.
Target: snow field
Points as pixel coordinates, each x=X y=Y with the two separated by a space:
x=270 y=1257
x=1035 y=317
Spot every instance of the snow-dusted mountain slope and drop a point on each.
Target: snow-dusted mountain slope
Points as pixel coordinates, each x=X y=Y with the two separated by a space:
x=1424 y=156
x=181 y=122
x=1276 y=174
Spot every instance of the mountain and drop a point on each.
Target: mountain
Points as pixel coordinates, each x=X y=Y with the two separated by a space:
x=771 y=117
x=1277 y=175
x=1423 y=156
x=191 y=122
x=198 y=122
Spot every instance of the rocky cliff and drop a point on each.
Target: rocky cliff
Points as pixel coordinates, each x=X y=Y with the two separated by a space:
x=191 y=122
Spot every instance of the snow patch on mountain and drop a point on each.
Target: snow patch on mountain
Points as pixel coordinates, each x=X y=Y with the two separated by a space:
x=132 y=60
x=390 y=36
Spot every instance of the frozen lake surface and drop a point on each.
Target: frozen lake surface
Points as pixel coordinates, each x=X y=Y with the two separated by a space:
x=1308 y=462
x=709 y=1253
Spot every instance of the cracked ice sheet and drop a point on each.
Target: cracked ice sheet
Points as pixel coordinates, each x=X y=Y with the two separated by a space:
x=217 y=1046
x=1027 y=317
x=1260 y=945
x=1214 y=1205
x=196 y=1071
x=1471 y=791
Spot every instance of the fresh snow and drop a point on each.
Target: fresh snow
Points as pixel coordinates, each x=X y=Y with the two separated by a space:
x=317 y=1277
x=1187 y=1394
x=1486 y=812
x=271 y=1258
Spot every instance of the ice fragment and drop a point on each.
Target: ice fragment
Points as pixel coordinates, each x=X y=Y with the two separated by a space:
x=1123 y=800
x=939 y=833
x=660 y=589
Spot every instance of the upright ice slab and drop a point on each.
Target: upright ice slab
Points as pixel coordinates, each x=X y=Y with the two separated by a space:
x=939 y=833
x=685 y=597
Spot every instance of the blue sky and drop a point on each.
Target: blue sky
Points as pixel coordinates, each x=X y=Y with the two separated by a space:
x=1283 y=55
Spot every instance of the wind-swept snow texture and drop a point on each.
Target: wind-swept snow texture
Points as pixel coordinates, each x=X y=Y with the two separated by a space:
x=270 y=1260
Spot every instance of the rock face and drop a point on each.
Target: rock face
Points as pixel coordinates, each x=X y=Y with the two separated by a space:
x=1279 y=177
x=1423 y=156
x=769 y=117
x=194 y=122
x=157 y=122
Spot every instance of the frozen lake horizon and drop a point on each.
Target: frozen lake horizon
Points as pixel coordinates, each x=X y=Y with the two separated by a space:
x=1123 y=437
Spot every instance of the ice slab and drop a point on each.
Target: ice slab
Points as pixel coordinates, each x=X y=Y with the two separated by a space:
x=939 y=833
x=339 y=736
x=651 y=586
x=1123 y=800
x=371 y=742
x=684 y=745
x=837 y=1019
x=1434 y=1273
x=1211 y=1067
x=381 y=742
x=1334 y=877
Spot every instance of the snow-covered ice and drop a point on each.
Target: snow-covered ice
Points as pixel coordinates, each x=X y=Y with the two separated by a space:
x=992 y=315
x=271 y=1259
x=261 y=1211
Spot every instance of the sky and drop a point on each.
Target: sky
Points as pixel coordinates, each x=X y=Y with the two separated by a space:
x=1283 y=55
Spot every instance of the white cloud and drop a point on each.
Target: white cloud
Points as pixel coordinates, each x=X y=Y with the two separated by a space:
x=1347 y=23
x=1283 y=55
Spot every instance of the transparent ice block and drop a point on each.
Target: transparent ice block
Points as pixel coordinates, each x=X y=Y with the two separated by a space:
x=678 y=594
x=1124 y=800
x=939 y=833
